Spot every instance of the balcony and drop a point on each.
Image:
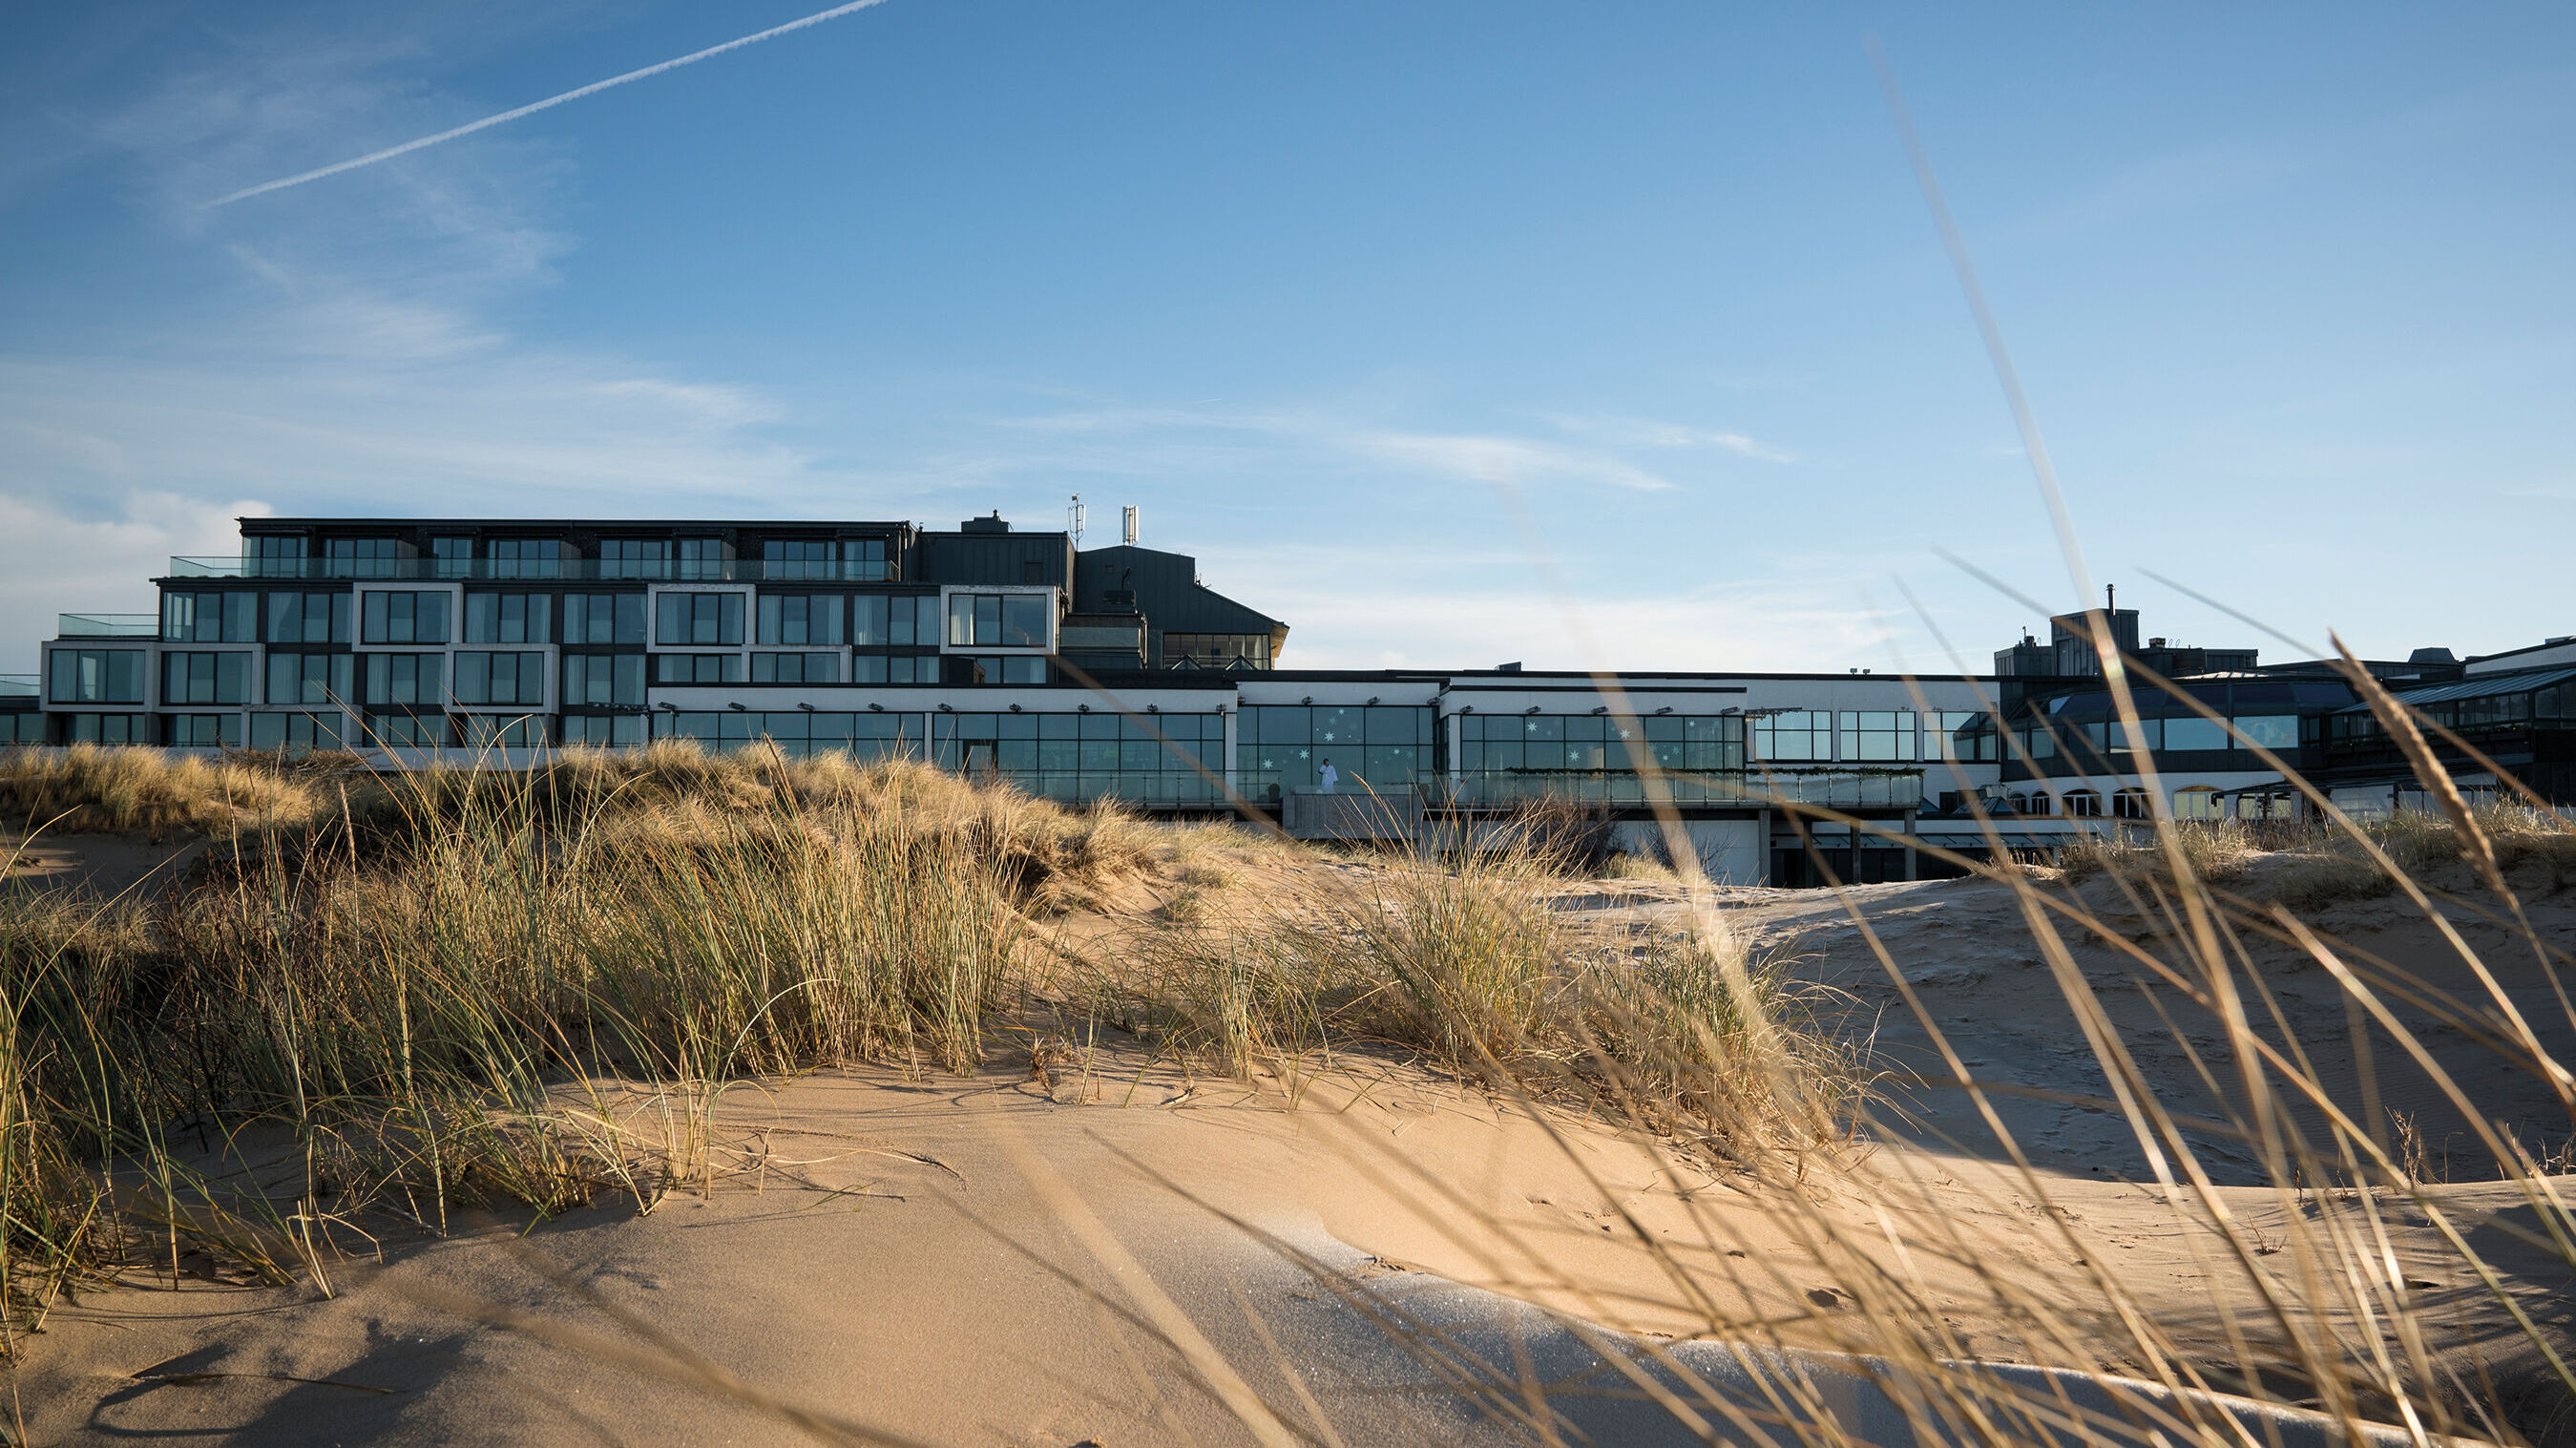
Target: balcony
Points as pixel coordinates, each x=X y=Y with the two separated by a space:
x=108 y=626
x=533 y=570
x=17 y=686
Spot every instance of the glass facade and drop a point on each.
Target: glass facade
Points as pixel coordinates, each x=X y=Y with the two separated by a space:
x=1594 y=756
x=508 y=618
x=1001 y=620
x=798 y=733
x=206 y=678
x=310 y=678
x=1388 y=748
x=1794 y=736
x=228 y=617
x=603 y=618
x=802 y=620
x=298 y=731
x=1099 y=755
x=206 y=731
x=795 y=668
x=96 y=676
x=595 y=679
x=698 y=618
x=412 y=679
x=402 y=618
x=308 y=618
x=899 y=620
x=501 y=679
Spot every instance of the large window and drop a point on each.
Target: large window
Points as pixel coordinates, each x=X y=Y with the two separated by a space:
x=96 y=676
x=1283 y=748
x=2268 y=731
x=508 y=618
x=603 y=731
x=697 y=668
x=1878 y=736
x=1794 y=736
x=1097 y=755
x=698 y=618
x=271 y=557
x=230 y=617
x=527 y=558
x=297 y=731
x=403 y=618
x=794 y=668
x=603 y=618
x=802 y=620
x=308 y=618
x=603 y=679
x=1001 y=620
x=635 y=558
x=789 y=559
x=498 y=678
x=205 y=678
x=1592 y=756
x=206 y=731
x=1963 y=736
x=998 y=669
x=363 y=557
x=868 y=736
x=2083 y=804
x=408 y=731
x=455 y=556
x=405 y=679
x=501 y=731
x=2194 y=733
x=106 y=728
x=896 y=620
x=897 y=669
x=295 y=678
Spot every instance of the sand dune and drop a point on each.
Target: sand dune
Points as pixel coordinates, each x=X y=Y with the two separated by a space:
x=1127 y=1253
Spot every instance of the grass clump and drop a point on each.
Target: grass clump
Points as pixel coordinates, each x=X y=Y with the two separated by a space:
x=90 y=787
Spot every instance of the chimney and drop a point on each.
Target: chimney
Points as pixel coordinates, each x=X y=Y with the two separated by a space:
x=1127 y=525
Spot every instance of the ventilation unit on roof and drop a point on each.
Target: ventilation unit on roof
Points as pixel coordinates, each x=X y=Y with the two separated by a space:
x=1127 y=525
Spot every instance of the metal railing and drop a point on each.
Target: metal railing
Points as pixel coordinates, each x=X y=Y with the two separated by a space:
x=108 y=625
x=539 y=570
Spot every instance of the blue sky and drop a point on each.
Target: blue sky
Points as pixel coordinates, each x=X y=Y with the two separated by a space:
x=1389 y=312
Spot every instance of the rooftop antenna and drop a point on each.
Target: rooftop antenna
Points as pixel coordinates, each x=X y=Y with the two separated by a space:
x=1073 y=516
x=2111 y=597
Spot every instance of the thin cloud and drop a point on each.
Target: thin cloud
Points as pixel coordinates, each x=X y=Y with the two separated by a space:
x=594 y=88
x=1649 y=433
x=1488 y=459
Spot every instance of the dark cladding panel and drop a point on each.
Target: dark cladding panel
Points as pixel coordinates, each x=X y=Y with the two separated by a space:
x=991 y=558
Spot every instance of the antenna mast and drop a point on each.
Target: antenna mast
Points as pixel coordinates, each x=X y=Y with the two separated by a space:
x=1073 y=517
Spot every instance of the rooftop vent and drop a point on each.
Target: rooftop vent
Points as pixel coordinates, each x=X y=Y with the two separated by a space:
x=2431 y=656
x=993 y=524
x=2155 y=643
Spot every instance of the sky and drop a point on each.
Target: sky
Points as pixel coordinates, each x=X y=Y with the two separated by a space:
x=1451 y=334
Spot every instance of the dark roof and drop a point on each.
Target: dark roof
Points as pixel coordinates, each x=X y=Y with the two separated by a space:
x=1167 y=592
x=2485 y=686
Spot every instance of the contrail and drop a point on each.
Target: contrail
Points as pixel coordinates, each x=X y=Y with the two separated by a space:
x=571 y=95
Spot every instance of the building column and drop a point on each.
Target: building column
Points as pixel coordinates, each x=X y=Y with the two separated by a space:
x=1232 y=717
x=1762 y=852
x=1913 y=856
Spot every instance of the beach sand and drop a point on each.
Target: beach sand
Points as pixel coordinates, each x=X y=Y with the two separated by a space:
x=1127 y=1253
